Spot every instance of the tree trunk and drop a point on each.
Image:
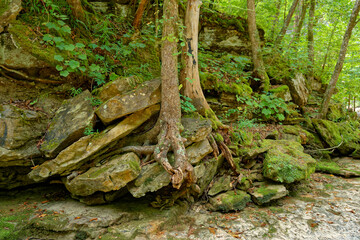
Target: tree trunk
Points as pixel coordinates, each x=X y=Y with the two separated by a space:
x=301 y=21
x=139 y=13
x=310 y=77
x=276 y=19
x=287 y=22
x=77 y=9
x=259 y=69
x=328 y=49
x=190 y=73
x=331 y=87
x=170 y=113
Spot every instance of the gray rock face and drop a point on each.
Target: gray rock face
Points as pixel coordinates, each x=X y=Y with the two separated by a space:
x=111 y=176
x=12 y=177
x=13 y=56
x=264 y=192
x=198 y=151
x=298 y=89
x=144 y=96
x=9 y=9
x=222 y=184
x=69 y=124
x=205 y=173
x=196 y=129
x=230 y=201
x=117 y=87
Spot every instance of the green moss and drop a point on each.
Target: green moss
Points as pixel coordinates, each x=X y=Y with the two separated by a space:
x=218 y=137
x=4 y=6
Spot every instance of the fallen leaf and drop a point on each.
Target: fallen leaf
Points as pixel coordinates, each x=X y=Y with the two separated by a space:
x=77 y=217
x=93 y=219
x=212 y=230
x=46 y=201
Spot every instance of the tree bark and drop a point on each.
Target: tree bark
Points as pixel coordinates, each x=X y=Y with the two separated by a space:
x=301 y=21
x=139 y=13
x=340 y=62
x=259 y=69
x=287 y=22
x=310 y=77
x=77 y=9
x=170 y=113
x=328 y=49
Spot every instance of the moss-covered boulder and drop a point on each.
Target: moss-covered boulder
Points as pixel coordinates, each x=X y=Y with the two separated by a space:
x=344 y=136
x=230 y=201
x=286 y=162
x=297 y=133
x=336 y=112
x=221 y=184
x=205 y=173
x=281 y=92
x=345 y=167
x=264 y=192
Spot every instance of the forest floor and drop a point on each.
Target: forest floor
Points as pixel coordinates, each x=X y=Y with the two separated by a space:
x=325 y=207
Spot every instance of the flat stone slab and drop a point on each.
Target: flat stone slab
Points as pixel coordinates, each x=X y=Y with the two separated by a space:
x=346 y=167
x=222 y=184
x=117 y=87
x=68 y=124
x=197 y=151
x=230 y=201
x=111 y=176
x=72 y=157
x=146 y=95
x=264 y=192
x=196 y=129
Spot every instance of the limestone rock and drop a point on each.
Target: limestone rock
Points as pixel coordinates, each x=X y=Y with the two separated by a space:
x=123 y=10
x=196 y=129
x=9 y=9
x=286 y=162
x=282 y=92
x=230 y=201
x=24 y=156
x=101 y=7
x=152 y=178
x=81 y=151
x=298 y=89
x=198 y=151
x=111 y=176
x=300 y=135
x=205 y=173
x=222 y=184
x=69 y=124
x=12 y=177
x=346 y=167
x=117 y=87
x=142 y=97
x=264 y=192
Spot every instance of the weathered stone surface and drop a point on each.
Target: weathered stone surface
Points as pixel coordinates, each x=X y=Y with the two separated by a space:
x=298 y=89
x=142 y=97
x=14 y=56
x=152 y=178
x=264 y=192
x=346 y=167
x=282 y=92
x=9 y=9
x=117 y=87
x=123 y=10
x=12 y=177
x=196 y=129
x=205 y=173
x=101 y=7
x=81 y=151
x=24 y=156
x=230 y=201
x=69 y=124
x=111 y=176
x=300 y=135
x=222 y=184
x=198 y=151
x=286 y=162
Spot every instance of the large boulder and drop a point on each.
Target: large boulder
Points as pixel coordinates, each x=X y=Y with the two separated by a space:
x=286 y=162
x=230 y=201
x=263 y=192
x=69 y=124
x=298 y=89
x=86 y=148
x=146 y=95
x=111 y=176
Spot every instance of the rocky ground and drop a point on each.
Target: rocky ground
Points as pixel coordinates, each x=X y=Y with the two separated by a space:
x=326 y=207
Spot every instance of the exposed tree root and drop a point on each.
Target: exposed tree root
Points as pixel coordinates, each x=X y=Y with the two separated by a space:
x=26 y=77
x=214 y=146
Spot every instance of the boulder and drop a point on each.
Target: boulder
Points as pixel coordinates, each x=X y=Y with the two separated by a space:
x=336 y=112
x=69 y=124
x=28 y=155
x=298 y=89
x=117 y=87
x=286 y=162
x=9 y=9
x=205 y=173
x=122 y=9
x=263 y=192
x=296 y=133
x=100 y=7
x=72 y=157
x=196 y=129
x=111 y=176
x=346 y=167
x=152 y=178
x=230 y=201
x=12 y=177
x=221 y=184
x=146 y=95
x=198 y=151
x=281 y=92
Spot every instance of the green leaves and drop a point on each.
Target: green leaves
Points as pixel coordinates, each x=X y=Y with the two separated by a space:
x=58 y=58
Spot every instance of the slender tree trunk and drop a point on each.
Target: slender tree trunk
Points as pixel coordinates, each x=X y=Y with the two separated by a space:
x=276 y=19
x=259 y=69
x=331 y=87
x=287 y=22
x=170 y=113
x=300 y=23
x=328 y=49
x=354 y=103
x=139 y=13
x=77 y=9
x=310 y=77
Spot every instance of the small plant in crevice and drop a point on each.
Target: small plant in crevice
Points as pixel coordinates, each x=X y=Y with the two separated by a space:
x=74 y=92
x=186 y=104
x=89 y=130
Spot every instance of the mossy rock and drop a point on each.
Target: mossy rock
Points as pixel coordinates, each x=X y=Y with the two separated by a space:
x=345 y=167
x=303 y=136
x=286 y=162
x=335 y=112
x=230 y=201
x=264 y=192
x=281 y=92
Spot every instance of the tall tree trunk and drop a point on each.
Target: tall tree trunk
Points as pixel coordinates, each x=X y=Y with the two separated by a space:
x=276 y=19
x=287 y=22
x=310 y=77
x=328 y=49
x=77 y=9
x=331 y=87
x=139 y=13
x=170 y=113
x=259 y=69
x=300 y=23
